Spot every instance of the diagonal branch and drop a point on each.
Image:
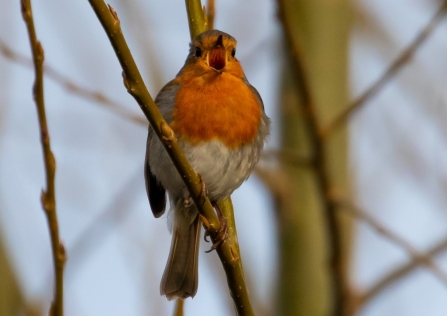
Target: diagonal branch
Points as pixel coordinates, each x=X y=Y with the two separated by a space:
x=414 y=253
x=339 y=285
x=389 y=74
x=398 y=273
x=135 y=86
x=48 y=197
x=73 y=87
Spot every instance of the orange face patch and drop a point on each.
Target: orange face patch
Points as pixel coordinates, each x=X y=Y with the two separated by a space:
x=216 y=106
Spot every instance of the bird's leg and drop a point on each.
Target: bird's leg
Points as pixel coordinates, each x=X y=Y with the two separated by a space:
x=222 y=234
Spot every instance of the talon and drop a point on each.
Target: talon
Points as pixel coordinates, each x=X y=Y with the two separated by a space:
x=205 y=236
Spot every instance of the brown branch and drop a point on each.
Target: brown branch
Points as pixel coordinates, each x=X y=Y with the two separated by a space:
x=48 y=197
x=338 y=281
x=414 y=253
x=398 y=273
x=178 y=309
x=402 y=60
x=211 y=13
x=75 y=88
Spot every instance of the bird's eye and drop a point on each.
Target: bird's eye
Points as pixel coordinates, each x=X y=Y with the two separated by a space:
x=198 y=52
x=233 y=52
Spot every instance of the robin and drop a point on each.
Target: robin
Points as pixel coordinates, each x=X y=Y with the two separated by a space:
x=219 y=120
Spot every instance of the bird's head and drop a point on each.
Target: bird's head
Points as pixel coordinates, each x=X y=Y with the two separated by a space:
x=213 y=52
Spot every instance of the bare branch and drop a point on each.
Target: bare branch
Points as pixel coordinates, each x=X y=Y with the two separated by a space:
x=398 y=273
x=178 y=309
x=48 y=197
x=75 y=88
x=402 y=60
x=211 y=12
x=414 y=253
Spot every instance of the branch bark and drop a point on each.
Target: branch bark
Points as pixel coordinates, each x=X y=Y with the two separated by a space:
x=196 y=17
x=48 y=196
x=178 y=309
x=211 y=13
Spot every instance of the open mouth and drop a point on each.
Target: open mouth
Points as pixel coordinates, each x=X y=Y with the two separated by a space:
x=217 y=58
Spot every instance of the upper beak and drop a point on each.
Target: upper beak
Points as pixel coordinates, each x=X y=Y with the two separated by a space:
x=217 y=57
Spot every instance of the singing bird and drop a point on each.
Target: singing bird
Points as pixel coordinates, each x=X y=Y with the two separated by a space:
x=219 y=120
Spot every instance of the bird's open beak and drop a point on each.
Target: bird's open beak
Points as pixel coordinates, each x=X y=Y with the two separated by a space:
x=217 y=57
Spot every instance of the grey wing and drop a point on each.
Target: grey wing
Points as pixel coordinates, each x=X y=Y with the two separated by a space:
x=156 y=193
x=264 y=128
x=253 y=89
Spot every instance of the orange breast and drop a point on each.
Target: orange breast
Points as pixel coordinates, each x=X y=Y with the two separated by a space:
x=216 y=106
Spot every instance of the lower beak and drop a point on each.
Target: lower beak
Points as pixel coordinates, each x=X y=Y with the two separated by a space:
x=217 y=58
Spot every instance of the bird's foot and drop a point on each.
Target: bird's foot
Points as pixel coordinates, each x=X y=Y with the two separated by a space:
x=222 y=234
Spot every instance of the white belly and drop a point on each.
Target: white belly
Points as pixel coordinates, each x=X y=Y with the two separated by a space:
x=223 y=169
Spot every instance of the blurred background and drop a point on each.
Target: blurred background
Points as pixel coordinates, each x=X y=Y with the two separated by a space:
x=381 y=168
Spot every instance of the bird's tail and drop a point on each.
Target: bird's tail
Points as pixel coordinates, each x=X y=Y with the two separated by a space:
x=180 y=278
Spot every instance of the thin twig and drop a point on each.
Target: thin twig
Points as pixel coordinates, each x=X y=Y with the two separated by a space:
x=178 y=309
x=338 y=285
x=402 y=60
x=398 y=273
x=414 y=253
x=47 y=197
x=211 y=12
x=75 y=88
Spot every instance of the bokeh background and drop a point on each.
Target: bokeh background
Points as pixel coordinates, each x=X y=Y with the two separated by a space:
x=389 y=159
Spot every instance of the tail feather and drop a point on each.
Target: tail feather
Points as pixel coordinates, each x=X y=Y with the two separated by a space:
x=180 y=278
